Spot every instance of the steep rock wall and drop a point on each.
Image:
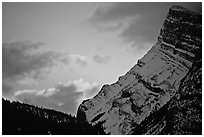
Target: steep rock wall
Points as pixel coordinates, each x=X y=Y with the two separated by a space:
x=148 y=87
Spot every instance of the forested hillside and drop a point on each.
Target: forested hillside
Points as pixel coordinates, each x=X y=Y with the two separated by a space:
x=19 y=118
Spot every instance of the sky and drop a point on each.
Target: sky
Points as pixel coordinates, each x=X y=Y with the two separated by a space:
x=55 y=55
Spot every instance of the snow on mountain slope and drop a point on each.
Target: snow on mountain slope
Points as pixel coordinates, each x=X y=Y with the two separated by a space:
x=152 y=82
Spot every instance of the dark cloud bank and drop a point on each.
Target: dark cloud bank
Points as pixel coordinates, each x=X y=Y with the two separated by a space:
x=20 y=61
x=23 y=60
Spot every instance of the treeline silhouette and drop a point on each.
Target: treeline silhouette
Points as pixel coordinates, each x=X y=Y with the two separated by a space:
x=19 y=118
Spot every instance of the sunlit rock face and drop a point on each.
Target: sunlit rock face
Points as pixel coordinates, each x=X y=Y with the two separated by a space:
x=138 y=103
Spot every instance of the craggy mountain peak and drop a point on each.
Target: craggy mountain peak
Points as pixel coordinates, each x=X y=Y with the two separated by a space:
x=182 y=9
x=140 y=101
x=179 y=8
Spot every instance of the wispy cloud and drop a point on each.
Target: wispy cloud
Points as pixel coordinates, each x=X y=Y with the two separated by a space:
x=101 y=59
x=79 y=59
x=63 y=96
x=74 y=59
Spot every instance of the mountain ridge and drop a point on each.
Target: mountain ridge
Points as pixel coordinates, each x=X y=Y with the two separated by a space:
x=150 y=85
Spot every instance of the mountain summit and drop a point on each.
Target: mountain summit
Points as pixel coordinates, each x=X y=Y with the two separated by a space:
x=161 y=94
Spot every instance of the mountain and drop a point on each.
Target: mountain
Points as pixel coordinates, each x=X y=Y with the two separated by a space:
x=161 y=94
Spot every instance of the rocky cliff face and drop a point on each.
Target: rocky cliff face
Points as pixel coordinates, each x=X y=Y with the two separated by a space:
x=141 y=100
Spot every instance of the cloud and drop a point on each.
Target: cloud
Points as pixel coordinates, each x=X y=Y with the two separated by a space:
x=100 y=59
x=79 y=59
x=20 y=61
x=137 y=23
x=63 y=96
x=23 y=63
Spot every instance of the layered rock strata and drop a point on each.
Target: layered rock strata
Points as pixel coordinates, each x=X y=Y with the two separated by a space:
x=137 y=102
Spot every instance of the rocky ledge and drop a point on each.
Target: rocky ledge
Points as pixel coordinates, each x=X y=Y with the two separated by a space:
x=161 y=94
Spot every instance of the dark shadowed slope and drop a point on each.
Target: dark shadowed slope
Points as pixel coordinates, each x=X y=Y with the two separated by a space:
x=24 y=119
